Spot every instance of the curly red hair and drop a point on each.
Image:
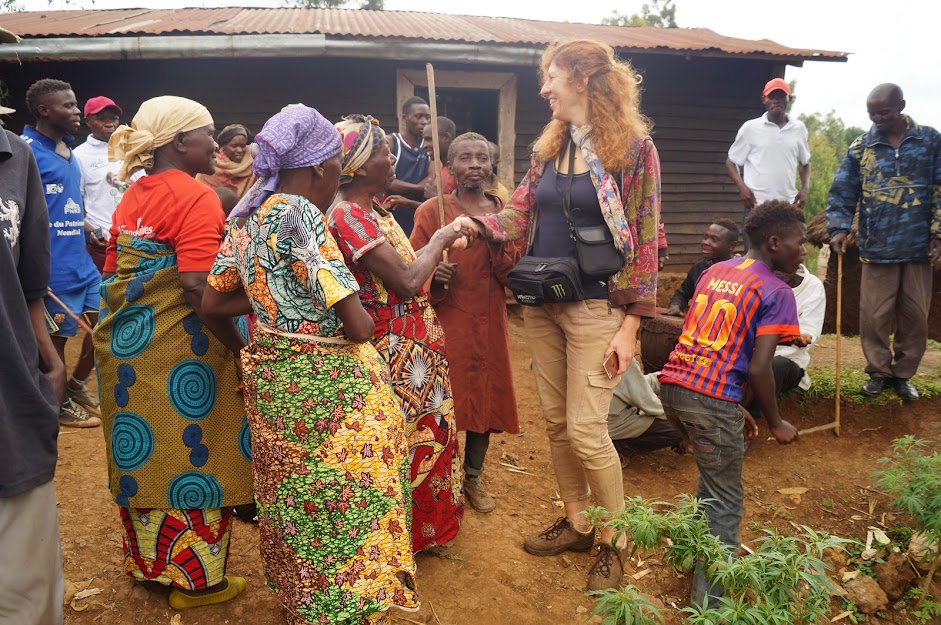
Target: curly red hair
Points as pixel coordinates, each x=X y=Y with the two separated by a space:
x=613 y=100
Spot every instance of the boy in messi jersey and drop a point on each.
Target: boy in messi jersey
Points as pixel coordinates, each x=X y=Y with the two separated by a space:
x=739 y=313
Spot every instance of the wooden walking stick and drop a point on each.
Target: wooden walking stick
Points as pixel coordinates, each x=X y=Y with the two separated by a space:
x=71 y=314
x=839 y=334
x=835 y=425
x=433 y=103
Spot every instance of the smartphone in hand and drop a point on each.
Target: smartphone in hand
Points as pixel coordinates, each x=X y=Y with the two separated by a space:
x=610 y=365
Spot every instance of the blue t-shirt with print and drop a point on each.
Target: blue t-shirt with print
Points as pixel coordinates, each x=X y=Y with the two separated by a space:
x=72 y=267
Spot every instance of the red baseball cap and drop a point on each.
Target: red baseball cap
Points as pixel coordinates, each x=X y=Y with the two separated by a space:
x=100 y=103
x=772 y=85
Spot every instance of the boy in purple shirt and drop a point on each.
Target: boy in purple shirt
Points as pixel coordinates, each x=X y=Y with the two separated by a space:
x=739 y=313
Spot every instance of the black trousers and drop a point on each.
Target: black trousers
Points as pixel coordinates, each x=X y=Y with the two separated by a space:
x=475 y=450
x=787 y=375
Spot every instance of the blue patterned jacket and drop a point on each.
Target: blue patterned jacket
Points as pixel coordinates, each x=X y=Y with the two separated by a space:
x=898 y=193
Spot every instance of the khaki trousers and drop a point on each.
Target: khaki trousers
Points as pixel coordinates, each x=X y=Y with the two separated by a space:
x=899 y=294
x=31 y=583
x=567 y=343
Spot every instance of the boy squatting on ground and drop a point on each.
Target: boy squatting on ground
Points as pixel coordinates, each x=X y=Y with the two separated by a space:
x=739 y=313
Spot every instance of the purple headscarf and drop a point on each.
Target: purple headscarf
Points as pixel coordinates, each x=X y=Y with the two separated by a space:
x=296 y=137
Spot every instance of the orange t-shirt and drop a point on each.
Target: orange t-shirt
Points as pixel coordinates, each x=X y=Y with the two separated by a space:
x=173 y=208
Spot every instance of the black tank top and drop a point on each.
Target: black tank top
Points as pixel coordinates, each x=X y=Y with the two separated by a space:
x=553 y=238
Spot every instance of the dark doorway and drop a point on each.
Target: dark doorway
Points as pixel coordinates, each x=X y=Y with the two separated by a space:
x=470 y=109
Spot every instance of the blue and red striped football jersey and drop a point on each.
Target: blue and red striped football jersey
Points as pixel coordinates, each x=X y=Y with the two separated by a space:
x=734 y=302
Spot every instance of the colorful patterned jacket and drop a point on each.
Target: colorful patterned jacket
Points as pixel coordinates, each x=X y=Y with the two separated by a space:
x=634 y=287
x=898 y=193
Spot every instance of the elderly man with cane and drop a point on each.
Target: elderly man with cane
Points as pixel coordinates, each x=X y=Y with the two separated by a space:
x=893 y=173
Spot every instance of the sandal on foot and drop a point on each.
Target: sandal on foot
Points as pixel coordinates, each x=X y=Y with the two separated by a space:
x=179 y=600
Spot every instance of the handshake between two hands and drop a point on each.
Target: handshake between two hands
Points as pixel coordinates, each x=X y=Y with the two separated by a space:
x=459 y=234
x=462 y=232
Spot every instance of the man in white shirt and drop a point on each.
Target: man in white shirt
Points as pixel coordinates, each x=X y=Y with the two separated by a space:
x=100 y=187
x=769 y=149
x=811 y=305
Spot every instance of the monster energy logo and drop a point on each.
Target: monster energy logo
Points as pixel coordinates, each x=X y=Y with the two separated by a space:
x=558 y=290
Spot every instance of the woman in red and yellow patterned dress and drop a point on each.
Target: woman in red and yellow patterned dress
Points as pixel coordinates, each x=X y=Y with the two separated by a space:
x=392 y=277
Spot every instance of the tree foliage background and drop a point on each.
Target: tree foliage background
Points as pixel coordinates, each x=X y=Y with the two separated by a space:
x=656 y=13
x=829 y=138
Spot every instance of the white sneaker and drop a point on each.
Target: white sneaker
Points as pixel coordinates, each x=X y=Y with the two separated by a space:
x=73 y=416
x=84 y=397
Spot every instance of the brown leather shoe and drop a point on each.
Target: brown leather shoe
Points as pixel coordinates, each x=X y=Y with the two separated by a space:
x=607 y=570
x=479 y=499
x=560 y=537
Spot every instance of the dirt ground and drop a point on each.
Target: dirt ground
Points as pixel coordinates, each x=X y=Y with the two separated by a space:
x=485 y=577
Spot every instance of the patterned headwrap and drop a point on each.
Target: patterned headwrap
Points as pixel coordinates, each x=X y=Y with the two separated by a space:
x=230 y=132
x=157 y=122
x=361 y=136
x=296 y=137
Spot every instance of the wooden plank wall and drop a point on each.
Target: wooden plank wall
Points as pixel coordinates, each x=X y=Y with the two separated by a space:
x=247 y=92
x=532 y=115
x=697 y=106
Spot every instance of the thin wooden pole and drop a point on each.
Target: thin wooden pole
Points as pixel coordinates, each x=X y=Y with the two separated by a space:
x=433 y=103
x=71 y=314
x=839 y=336
x=819 y=428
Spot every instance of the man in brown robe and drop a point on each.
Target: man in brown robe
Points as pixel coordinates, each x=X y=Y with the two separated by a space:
x=469 y=299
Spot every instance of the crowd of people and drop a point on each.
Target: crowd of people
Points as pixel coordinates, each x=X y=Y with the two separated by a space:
x=293 y=327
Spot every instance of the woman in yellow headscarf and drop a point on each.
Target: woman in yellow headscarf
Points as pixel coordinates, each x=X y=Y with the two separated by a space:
x=174 y=421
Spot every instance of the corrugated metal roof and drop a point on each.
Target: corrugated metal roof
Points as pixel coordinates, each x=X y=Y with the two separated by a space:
x=386 y=24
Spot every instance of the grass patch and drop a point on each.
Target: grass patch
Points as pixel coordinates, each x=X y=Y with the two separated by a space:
x=933 y=345
x=824 y=387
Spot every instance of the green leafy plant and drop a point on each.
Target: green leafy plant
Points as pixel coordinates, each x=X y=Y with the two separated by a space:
x=625 y=606
x=928 y=612
x=855 y=615
x=901 y=534
x=783 y=582
x=913 y=478
x=864 y=566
